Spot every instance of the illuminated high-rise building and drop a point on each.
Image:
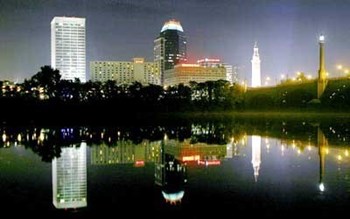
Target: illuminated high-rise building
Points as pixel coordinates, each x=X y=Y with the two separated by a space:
x=256 y=155
x=170 y=46
x=68 y=47
x=256 y=74
x=69 y=178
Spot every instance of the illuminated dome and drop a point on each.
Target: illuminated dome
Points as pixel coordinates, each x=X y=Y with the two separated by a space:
x=172 y=25
x=173 y=198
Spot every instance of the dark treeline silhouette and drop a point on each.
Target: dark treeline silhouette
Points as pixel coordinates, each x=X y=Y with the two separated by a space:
x=48 y=142
x=45 y=96
x=46 y=93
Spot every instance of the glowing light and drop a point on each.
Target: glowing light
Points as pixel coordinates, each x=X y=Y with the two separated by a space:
x=19 y=138
x=346 y=153
x=208 y=60
x=209 y=162
x=188 y=65
x=321 y=187
x=339 y=67
x=173 y=198
x=191 y=158
x=172 y=25
x=321 y=38
x=139 y=163
x=339 y=157
x=3 y=137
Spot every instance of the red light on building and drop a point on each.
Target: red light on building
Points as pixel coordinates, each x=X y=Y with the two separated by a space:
x=139 y=163
x=209 y=162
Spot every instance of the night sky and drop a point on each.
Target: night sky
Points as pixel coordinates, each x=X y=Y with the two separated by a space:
x=286 y=31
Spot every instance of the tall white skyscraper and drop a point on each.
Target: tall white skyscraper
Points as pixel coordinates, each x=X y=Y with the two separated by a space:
x=256 y=74
x=69 y=187
x=256 y=155
x=68 y=49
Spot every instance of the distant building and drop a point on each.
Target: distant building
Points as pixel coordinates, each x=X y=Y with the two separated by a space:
x=256 y=73
x=126 y=72
x=170 y=47
x=68 y=49
x=69 y=185
x=184 y=73
x=231 y=76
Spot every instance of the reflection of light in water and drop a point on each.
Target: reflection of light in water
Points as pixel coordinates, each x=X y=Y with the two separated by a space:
x=321 y=187
x=173 y=198
x=3 y=137
x=256 y=155
x=339 y=157
x=19 y=137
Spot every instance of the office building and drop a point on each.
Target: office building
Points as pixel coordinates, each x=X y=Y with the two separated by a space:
x=68 y=47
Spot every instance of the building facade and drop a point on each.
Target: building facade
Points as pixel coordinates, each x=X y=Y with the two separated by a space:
x=126 y=72
x=184 y=73
x=231 y=75
x=68 y=47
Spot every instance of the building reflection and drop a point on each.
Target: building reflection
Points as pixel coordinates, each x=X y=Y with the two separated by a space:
x=170 y=174
x=69 y=178
x=256 y=155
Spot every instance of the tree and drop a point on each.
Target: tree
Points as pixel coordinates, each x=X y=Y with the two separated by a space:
x=48 y=79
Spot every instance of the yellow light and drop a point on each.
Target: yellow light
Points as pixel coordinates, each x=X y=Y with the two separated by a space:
x=19 y=138
x=4 y=137
x=340 y=157
x=339 y=67
x=346 y=71
x=346 y=153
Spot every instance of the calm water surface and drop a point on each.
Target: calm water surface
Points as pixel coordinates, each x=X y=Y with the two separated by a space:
x=266 y=168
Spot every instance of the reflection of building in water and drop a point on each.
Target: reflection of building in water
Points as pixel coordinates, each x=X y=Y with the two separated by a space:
x=198 y=153
x=256 y=155
x=322 y=144
x=125 y=152
x=69 y=178
x=170 y=173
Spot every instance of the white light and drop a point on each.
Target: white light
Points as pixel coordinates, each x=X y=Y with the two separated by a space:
x=322 y=38
x=321 y=187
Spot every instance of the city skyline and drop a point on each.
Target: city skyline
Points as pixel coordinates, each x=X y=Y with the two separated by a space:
x=287 y=32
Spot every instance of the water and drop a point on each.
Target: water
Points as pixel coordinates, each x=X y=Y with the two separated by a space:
x=263 y=168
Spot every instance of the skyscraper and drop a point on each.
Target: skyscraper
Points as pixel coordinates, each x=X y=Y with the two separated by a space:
x=256 y=74
x=170 y=46
x=68 y=47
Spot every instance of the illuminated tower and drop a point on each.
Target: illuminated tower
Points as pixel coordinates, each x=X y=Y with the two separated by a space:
x=256 y=74
x=256 y=155
x=170 y=46
x=322 y=81
x=68 y=47
x=69 y=178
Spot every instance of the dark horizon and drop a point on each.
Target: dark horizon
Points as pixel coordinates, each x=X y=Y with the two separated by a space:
x=119 y=30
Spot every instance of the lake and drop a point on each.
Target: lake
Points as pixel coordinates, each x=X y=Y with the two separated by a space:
x=193 y=169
